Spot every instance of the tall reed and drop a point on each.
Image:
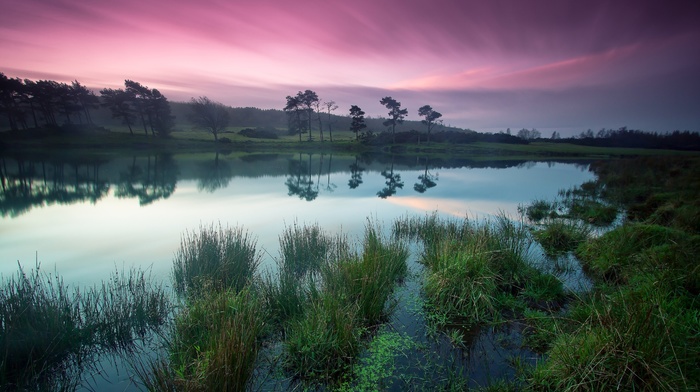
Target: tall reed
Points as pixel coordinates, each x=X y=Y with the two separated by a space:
x=215 y=343
x=215 y=258
x=470 y=263
x=46 y=327
x=353 y=295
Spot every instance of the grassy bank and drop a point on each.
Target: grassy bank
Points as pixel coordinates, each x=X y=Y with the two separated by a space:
x=102 y=141
x=639 y=328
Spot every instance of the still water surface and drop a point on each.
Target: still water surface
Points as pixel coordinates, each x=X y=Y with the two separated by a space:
x=86 y=217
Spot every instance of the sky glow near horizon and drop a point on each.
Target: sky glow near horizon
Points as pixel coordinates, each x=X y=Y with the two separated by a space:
x=487 y=66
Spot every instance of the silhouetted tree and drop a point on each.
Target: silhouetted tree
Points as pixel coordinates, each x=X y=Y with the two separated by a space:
x=317 y=107
x=139 y=96
x=527 y=134
x=10 y=93
x=67 y=104
x=209 y=115
x=45 y=93
x=28 y=98
x=358 y=120
x=85 y=99
x=429 y=116
x=293 y=109
x=330 y=107
x=396 y=114
x=307 y=99
x=117 y=100
x=162 y=120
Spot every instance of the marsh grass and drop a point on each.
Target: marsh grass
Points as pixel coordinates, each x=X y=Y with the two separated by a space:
x=585 y=202
x=306 y=248
x=621 y=253
x=539 y=209
x=561 y=235
x=305 y=251
x=473 y=267
x=323 y=344
x=637 y=338
x=215 y=258
x=46 y=328
x=353 y=296
x=214 y=344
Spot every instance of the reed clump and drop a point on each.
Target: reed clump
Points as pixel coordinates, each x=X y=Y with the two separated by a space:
x=215 y=341
x=46 y=327
x=474 y=267
x=215 y=258
x=352 y=296
x=634 y=338
x=561 y=235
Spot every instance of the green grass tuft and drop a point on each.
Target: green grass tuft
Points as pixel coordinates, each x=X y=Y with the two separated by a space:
x=216 y=258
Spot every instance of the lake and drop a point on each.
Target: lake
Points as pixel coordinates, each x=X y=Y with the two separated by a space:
x=85 y=217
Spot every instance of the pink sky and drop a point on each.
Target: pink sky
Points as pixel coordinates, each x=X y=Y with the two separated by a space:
x=486 y=65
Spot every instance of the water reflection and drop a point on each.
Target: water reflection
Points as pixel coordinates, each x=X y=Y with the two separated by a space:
x=152 y=179
x=425 y=180
x=214 y=175
x=299 y=180
x=355 y=174
x=28 y=182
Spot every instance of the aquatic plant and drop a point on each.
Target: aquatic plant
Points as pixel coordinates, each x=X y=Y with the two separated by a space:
x=352 y=296
x=561 y=235
x=214 y=344
x=323 y=343
x=215 y=258
x=304 y=248
x=637 y=338
x=48 y=328
x=538 y=210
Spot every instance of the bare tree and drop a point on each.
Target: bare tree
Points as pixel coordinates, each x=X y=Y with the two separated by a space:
x=209 y=115
x=330 y=107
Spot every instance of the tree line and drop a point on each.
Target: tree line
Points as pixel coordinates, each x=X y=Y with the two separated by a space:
x=306 y=107
x=621 y=137
x=27 y=103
